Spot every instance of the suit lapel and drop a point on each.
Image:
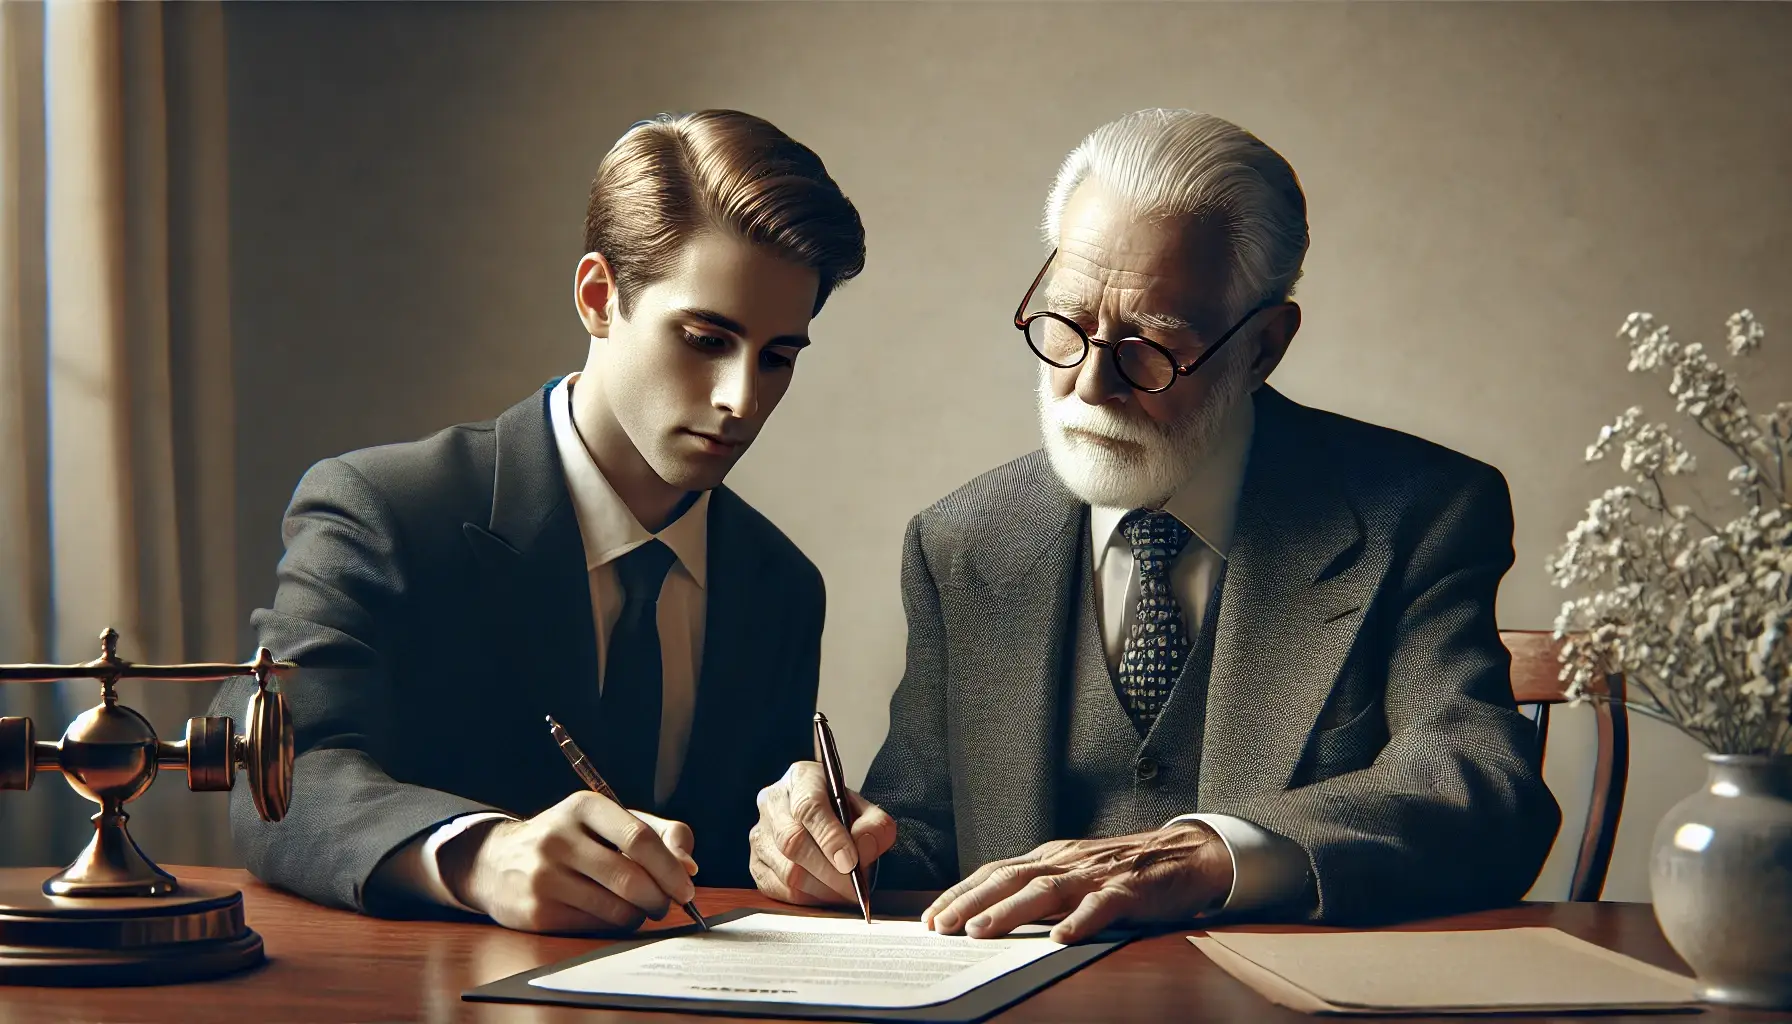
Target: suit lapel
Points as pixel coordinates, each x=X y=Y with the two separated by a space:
x=735 y=614
x=532 y=560
x=1018 y=581
x=1299 y=577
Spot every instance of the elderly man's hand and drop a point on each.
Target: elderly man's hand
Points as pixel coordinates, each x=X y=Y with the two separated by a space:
x=800 y=853
x=1171 y=874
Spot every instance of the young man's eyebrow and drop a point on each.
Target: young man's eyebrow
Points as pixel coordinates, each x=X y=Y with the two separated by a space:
x=734 y=326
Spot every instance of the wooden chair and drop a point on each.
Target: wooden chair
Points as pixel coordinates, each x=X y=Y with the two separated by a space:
x=1535 y=667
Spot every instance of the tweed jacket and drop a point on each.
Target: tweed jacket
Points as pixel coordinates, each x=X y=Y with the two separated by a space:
x=1359 y=701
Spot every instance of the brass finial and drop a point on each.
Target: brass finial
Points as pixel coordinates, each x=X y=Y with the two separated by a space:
x=109 y=659
x=263 y=666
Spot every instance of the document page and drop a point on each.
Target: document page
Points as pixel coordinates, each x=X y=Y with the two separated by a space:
x=826 y=961
x=1498 y=970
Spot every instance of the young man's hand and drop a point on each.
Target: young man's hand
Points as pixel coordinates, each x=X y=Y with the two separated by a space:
x=584 y=864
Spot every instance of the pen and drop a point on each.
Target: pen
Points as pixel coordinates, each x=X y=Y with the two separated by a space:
x=830 y=764
x=595 y=782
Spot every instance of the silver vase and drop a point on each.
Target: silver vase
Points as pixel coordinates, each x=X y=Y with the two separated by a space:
x=1721 y=878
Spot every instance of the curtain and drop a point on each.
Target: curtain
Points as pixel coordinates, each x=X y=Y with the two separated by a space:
x=116 y=405
x=24 y=449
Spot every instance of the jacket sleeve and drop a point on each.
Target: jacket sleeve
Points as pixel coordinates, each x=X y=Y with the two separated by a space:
x=337 y=613
x=1452 y=815
x=909 y=778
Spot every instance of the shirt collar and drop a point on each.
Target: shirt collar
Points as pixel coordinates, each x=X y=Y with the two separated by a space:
x=608 y=528
x=1207 y=502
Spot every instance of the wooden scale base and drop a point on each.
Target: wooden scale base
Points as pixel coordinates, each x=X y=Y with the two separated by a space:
x=196 y=932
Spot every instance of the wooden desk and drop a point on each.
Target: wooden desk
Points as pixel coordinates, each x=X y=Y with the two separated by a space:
x=332 y=967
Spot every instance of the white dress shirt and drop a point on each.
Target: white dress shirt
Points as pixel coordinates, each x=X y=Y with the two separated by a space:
x=1267 y=869
x=609 y=531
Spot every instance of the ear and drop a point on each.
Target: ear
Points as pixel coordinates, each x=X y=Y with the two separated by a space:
x=1273 y=339
x=594 y=294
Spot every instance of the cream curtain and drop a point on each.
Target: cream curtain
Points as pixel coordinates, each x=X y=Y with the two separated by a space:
x=116 y=404
x=24 y=449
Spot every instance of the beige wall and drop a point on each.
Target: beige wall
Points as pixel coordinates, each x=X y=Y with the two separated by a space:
x=1492 y=189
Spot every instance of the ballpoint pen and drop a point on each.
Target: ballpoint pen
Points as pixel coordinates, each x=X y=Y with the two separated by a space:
x=595 y=782
x=830 y=765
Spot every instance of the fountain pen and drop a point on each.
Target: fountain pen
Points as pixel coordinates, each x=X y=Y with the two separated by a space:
x=829 y=757
x=595 y=782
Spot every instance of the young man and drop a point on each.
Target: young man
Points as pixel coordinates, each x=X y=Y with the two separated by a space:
x=577 y=557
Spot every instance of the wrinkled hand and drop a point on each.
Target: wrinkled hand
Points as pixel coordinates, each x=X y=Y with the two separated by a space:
x=583 y=864
x=800 y=853
x=1171 y=874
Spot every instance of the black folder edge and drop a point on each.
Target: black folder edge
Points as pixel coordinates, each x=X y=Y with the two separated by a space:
x=974 y=1005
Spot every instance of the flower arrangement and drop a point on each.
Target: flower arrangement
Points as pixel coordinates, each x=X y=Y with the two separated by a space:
x=1693 y=613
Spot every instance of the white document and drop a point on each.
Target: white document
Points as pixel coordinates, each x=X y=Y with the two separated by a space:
x=827 y=961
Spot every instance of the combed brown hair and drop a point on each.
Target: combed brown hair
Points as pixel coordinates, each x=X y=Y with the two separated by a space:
x=672 y=176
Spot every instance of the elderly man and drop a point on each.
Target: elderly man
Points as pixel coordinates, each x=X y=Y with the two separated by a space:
x=1209 y=650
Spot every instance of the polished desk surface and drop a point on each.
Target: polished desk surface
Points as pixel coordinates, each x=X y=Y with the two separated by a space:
x=333 y=967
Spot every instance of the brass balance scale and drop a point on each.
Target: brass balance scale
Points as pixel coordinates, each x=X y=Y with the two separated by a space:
x=112 y=917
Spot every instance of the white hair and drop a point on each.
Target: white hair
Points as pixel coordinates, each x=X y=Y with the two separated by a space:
x=1172 y=164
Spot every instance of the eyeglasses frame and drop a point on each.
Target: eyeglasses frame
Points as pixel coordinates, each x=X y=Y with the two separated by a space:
x=1180 y=370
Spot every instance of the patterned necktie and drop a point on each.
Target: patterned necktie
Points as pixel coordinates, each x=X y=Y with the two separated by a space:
x=628 y=746
x=1157 y=642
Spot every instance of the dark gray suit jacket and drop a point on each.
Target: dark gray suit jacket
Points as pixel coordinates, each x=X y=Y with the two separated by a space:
x=435 y=597
x=1360 y=700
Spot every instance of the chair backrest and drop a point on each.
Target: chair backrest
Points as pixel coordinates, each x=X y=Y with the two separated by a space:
x=1536 y=668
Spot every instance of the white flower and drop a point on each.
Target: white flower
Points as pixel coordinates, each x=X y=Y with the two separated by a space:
x=1745 y=332
x=1692 y=611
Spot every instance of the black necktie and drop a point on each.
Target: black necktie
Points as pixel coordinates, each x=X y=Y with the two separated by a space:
x=629 y=710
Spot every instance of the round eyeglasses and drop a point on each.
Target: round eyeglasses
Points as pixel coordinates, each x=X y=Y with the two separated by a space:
x=1142 y=363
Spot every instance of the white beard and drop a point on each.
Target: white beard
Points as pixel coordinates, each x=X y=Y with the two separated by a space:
x=1141 y=463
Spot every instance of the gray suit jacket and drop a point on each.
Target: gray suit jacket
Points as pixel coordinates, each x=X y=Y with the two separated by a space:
x=435 y=597
x=1360 y=701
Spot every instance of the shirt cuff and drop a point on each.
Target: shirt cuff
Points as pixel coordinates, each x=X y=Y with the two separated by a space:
x=416 y=867
x=1267 y=869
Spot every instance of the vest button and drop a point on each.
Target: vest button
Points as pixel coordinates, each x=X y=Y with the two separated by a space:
x=1145 y=769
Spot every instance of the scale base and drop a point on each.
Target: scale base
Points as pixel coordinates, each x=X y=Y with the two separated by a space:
x=196 y=932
